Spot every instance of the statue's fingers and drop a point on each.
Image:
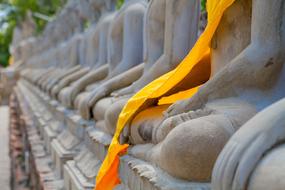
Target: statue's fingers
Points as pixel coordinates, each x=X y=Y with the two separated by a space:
x=218 y=176
x=92 y=100
x=231 y=164
x=173 y=110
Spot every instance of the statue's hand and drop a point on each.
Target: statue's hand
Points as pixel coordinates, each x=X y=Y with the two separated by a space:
x=97 y=95
x=171 y=122
x=182 y=106
x=75 y=90
x=84 y=108
x=71 y=95
x=176 y=108
x=122 y=92
x=68 y=96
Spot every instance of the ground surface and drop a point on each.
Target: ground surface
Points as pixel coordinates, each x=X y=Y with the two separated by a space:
x=4 y=149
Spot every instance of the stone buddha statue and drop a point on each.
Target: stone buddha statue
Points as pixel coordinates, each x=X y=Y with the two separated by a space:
x=67 y=63
x=57 y=54
x=75 y=58
x=33 y=72
x=163 y=52
x=247 y=75
x=124 y=47
x=55 y=31
x=73 y=18
x=62 y=55
x=58 y=30
x=36 y=75
x=51 y=60
x=95 y=55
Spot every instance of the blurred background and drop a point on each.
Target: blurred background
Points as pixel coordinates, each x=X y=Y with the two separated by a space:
x=24 y=13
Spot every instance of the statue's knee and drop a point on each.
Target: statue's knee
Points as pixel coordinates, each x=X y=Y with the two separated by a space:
x=53 y=91
x=79 y=99
x=111 y=117
x=145 y=124
x=62 y=94
x=100 y=108
x=190 y=150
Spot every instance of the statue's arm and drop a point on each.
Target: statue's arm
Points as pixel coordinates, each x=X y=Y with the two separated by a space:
x=68 y=72
x=255 y=67
x=52 y=76
x=92 y=77
x=43 y=76
x=117 y=82
x=67 y=80
x=59 y=75
x=133 y=49
x=158 y=69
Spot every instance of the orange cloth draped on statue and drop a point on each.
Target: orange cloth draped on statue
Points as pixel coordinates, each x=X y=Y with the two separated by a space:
x=108 y=177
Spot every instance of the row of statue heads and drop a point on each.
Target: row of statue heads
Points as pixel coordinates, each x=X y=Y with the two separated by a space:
x=72 y=19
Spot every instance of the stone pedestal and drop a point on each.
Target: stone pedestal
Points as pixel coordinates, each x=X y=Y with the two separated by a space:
x=37 y=161
x=140 y=175
x=80 y=173
x=70 y=141
x=74 y=179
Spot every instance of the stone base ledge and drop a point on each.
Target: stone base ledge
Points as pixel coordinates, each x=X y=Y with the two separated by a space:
x=74 y=179
x=140 y=175
x=37 y=160
x=60 y=156
x=98 y=142
x=49 y=135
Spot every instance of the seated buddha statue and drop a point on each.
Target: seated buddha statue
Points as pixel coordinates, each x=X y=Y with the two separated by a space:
x=67 y=63
x=163 y=52
x=57 y=52
x=51 y=60
x=74 y=55
x=80 y=11
x=95 y=55
x=89 y=43
x=34 y=72
x=247 y=74
x=56 y=31
x=125 y=47
x=77 y=75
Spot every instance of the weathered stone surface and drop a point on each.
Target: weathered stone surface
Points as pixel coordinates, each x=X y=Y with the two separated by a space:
x=233 y=95
x=95 y=72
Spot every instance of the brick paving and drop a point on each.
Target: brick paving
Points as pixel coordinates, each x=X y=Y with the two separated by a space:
x=4 y=149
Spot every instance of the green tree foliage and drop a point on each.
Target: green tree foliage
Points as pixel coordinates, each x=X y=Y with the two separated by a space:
x=12 y=12
x=119 y=4
x=8 y=20
x=203 y=5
